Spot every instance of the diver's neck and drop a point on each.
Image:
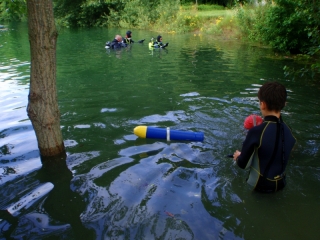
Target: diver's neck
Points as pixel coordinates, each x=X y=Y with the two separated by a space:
x=271 y=113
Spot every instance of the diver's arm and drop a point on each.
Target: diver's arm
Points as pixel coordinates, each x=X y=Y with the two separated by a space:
x=252 y=140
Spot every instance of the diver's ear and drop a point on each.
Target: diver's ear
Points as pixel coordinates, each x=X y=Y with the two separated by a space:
x=263 y=105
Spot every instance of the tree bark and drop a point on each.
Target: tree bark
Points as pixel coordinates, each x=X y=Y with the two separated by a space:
x=43 y=109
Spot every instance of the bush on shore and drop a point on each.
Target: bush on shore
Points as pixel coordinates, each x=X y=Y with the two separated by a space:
x=288 y=26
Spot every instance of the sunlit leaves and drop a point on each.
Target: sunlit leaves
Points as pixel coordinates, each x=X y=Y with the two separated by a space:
x=13 y=10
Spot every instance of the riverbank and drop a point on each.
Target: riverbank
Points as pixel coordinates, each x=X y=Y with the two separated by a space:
x=243 y=24
x=216 y=21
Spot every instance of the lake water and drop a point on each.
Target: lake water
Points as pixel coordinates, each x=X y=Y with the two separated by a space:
x=114 y=185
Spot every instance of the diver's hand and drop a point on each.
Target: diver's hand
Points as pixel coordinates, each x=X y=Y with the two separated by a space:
x=236 y=154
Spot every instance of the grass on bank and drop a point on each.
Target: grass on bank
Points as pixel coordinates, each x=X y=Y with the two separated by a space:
x=206 y=11
x=211 y=19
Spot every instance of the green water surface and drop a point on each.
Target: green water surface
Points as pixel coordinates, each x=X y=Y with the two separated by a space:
x=117 y=186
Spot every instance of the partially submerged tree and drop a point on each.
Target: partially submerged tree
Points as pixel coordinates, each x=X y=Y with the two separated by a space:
x=43 y=109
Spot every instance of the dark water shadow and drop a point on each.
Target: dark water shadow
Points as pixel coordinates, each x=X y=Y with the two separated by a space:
x=62 y=203
x=56 y=214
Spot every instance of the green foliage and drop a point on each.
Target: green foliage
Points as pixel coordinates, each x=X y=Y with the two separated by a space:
x=208 y=2
x=13 y=10
x=284 y=27
x=287 y=25
x=248 y=19
x=207 y=7
x=202 y=7
x=187 y=7
x=144 y=14
x=138 y=14
x=184 y=22
x=167 y=13
x=83 y=13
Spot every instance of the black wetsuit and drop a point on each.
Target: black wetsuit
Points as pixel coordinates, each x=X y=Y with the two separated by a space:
x=159 y=44
x=115 y=44
x=127 y=41
x=268 y=145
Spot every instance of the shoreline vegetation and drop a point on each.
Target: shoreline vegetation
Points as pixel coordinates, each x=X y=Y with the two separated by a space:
x=289 y=27
x=213 y=20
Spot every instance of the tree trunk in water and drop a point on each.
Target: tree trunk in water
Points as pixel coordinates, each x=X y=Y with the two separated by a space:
x=43 y=109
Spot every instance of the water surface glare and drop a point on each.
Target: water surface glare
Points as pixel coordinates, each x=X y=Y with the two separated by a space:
x=117 y=186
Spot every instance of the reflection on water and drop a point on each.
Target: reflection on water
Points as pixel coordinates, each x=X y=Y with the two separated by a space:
x=114 y=185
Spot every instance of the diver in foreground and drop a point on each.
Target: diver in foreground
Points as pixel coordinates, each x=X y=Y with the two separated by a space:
x=267 y=147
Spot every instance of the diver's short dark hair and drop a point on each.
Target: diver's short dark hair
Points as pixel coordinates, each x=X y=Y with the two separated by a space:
x=158 y=38
x=274 y=94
